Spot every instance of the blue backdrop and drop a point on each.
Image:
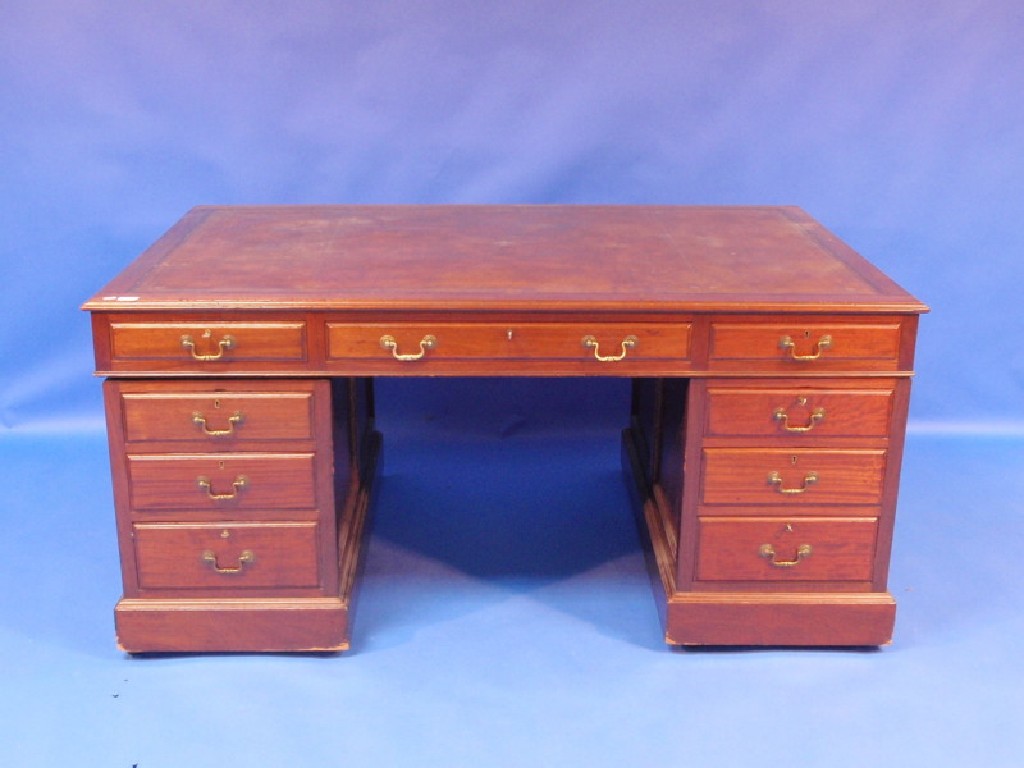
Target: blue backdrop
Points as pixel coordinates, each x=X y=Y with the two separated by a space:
x=897 y=123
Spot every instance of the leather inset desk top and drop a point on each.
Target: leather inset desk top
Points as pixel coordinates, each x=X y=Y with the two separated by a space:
x=495 y=258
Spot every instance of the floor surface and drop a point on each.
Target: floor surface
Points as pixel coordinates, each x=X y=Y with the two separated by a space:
x=505 y=619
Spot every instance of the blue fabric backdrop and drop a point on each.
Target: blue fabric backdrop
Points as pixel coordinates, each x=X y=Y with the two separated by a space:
x=505 y=616
x=897 y=124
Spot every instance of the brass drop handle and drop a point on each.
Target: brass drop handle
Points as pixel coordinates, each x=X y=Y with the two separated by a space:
x=238 y=484
x=782 y=416
x=387 y=341
x=787 y=343
x=234 y=420
x=775 y=478
x=226 y=342
x=246 y=558
x=628 y=343
x=768 y=552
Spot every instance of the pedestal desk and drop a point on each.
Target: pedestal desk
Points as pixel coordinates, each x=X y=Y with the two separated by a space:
x=770 y=369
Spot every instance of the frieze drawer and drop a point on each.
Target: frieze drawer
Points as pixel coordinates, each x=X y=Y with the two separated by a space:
x=206 y=345
x=427 y=343
x=804 y=348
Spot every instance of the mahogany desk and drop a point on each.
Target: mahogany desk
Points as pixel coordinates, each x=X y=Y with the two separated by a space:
x=771 y=373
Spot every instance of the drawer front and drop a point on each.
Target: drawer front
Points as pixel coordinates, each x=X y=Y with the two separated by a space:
x=222 y=482
x=218 y=418
x=775 y=549
x=798 y=411
x=583 y=342
x=740 y=476
x=208 y=344
x=227 y=555
x=805 y=348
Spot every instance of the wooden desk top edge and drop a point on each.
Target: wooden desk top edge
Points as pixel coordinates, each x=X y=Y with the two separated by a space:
x=502 y=258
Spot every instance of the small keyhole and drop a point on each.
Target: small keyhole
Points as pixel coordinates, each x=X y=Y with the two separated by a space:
x=225 y=534
x=207 y=333
x=792 y=460
x=807 y=334
x=220 y=464
x=216 y=403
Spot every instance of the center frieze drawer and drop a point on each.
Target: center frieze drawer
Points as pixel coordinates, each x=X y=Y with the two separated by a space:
x=426 y=342
x=219 y=482
x=795 y=476
x=776 y=549
x=227 y=555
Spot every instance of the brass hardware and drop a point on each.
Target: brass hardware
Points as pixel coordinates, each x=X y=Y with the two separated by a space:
x=787 y=343
x=768 y=552
x=246 y=558
x=238 y=484
x=387 y=341
x=234 y=420
x=774 y=478
x=817 y=415
x=509 y=334
x=227 y=342
x=628 y=343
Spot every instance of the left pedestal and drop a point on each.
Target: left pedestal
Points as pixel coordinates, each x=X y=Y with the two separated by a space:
x=241 y=511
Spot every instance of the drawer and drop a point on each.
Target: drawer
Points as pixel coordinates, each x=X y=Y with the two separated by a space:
x=797 y=476
x=227 y=555
x=776 y=549
x=222 y=482
x=208 y=344
x=583 y=342
x=218 y=417
x=798 y=411
x=813 y=346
